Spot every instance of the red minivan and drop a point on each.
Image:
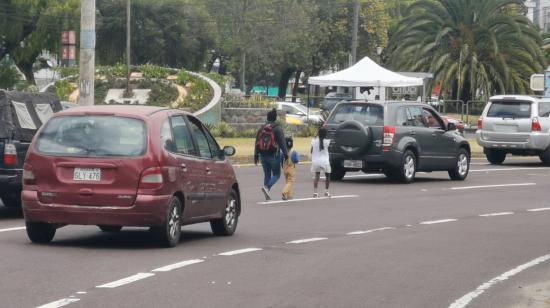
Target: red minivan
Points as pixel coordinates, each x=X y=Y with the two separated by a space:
x=115 y=166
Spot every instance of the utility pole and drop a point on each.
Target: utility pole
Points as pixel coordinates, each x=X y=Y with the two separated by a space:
x=354 y=33
x=128 y=8
x=87 y=52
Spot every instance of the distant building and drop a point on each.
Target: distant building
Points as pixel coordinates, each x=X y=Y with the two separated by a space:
x=539 y=12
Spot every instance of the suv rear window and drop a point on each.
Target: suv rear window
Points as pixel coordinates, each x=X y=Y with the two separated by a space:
x=509 y=109
x=93 y=136
x=365 y=114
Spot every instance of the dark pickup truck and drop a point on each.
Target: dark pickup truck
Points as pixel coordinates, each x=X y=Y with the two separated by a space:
x=21 y=115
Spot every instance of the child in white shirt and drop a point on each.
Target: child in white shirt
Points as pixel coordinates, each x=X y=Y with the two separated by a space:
x=320 y=161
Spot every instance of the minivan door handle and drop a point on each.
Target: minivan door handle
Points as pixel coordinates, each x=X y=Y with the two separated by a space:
x=184 y=167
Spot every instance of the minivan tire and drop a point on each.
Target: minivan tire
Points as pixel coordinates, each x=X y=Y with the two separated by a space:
x=495 y=157
x=40 y=232
x=462 y=167
x=169 y=232
x=227 y=225
x=407 y=169
x=109 y=229
x=337 y=173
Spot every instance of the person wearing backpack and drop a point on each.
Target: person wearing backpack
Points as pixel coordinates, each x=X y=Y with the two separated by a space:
x=289 y=169
x=270 y=146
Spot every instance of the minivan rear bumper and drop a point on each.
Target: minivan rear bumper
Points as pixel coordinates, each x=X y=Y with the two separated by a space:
x=532 y=141
x=147 y=210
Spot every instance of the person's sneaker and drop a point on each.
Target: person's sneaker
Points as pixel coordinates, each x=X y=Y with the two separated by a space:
x=315 y=195
x=327 y=194
x=266 y=193
x=284 y=198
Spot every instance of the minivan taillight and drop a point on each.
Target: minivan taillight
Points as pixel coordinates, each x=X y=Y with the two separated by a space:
x=480 y=123
x=151 y=178
x=389 y=137
x=28 y=175
x=10 y=154
x=535 y=125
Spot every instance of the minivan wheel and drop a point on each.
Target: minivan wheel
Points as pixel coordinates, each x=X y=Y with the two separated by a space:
x=110 y=229
x=495 y=157
x=337 y=173
x=460 y=171
x=407 y=170
x=228 y=223
x=40 y=232
x=169 y=232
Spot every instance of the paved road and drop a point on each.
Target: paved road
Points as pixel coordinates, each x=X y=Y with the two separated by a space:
x=374 y=244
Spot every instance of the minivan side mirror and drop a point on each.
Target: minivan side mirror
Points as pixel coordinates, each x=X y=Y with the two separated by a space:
x=229 y=150
x=451 y=126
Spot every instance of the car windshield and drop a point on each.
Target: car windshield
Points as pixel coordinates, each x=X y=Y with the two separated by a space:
x=366 y=114
x=510 y=109
x=93 y=136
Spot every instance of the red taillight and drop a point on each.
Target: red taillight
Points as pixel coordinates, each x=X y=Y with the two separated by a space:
x=389 y=137
x=480 y=123
x=28 y=175
x=535 y=125
x=151 y=178
x=10 y=154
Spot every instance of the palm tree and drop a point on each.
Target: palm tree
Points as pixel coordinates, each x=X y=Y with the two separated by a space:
x=475 y=48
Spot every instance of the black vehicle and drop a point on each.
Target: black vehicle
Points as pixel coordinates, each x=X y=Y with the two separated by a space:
x=394 y=138
x=332 y=99
x=21 y=114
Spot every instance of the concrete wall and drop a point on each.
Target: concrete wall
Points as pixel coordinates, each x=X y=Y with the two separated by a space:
x=246 y=118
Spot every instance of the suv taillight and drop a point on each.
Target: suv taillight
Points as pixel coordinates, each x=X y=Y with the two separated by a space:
x=480 y=123
x=10 y=154
x=389 y=137
x=151 y=178
x=28 y=175
x=535 y=125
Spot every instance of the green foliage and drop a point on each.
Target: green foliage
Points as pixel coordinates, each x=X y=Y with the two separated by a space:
x=183 y=77
x=224 y=130
x=9 y=76
x=309 y=130
x=65 y=72
x=198 y=95
x=153 y=71
x=63 y=89
x=118 y=70
x=162 y=94
x=255 y=101
x=221 y=80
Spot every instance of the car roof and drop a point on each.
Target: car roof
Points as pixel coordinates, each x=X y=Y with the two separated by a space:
x=121 y=110
x=514 y=97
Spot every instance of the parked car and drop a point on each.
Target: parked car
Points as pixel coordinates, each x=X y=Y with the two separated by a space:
x=115 y=166
x=333 y=98
x=21 y=114
x=515 y=124
x=394 y=138
x=298 y=114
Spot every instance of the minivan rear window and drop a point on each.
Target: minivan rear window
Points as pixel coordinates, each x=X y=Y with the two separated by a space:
x=509 y=109
x=364 y=113
x=93 y=136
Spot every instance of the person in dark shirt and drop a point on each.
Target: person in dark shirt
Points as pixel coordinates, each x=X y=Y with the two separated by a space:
x=271 y=159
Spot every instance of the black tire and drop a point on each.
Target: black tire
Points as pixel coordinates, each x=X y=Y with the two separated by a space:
x=169 y=232
x=390 y=174
x=495 y=157
x=40 y=232
x=110 y=229
x=407 y=169
x=462 y=167
x=227 y=225
x=11 y=200
x=337 y=173
x=545 y=157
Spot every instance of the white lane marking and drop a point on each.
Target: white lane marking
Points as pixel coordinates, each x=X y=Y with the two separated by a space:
x=308 y=199
x=307 y=240
x=239 y=251
x=509 y=169
x=539 y=209
x=466 y=299
x=492 y=186
x=369 y=231
x=126 y=280
x=60 y=303
x=81 y=292
x=431 y=222
x=174 y=266
x=12 y=229
x=496 y=214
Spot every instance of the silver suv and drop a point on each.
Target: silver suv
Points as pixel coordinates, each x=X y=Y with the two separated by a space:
x=515 y=124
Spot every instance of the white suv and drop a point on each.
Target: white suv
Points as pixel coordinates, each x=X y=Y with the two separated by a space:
x=515 y=124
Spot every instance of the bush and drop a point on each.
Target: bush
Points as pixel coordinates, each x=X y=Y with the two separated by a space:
x=63 y=89
x=199 y=94
x=65 y=72
x=9 y=76
x=162 y=94
x=309 y=130
x=183 y=77
x=153 y=71
x=110 y=72
x=223 y=130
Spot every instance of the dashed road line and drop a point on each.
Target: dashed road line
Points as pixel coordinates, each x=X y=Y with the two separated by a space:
x=466 y=299
x=127 y=280
x=539 y=209
x=492 y=186
x=12 y=229
x=510 y=169
x=60 y=303
x=307 y=240
x=496 y=214
x=307 y=199
x=239 y=251
x=369 y=231
x=174 y=266
x=431 y=222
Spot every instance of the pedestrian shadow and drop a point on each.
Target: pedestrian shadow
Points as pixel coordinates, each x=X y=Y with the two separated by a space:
x=10 y=213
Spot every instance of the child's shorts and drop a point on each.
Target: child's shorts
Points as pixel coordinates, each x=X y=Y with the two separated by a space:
x=320 y=168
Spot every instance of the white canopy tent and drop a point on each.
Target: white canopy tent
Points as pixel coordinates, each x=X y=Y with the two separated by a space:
x=365 y=73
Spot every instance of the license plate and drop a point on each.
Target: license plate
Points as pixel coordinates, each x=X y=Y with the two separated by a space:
x=356 y=164
x=87 y=174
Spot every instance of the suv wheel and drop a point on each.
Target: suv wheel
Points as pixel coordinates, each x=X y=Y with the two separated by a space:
x=407 y=170
x=169 y=232
x=11 y=200
x=40 y=232
x=337 y=173
x=228 y=223
x=495 y=157
x=545 y=157
x=460 y=172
